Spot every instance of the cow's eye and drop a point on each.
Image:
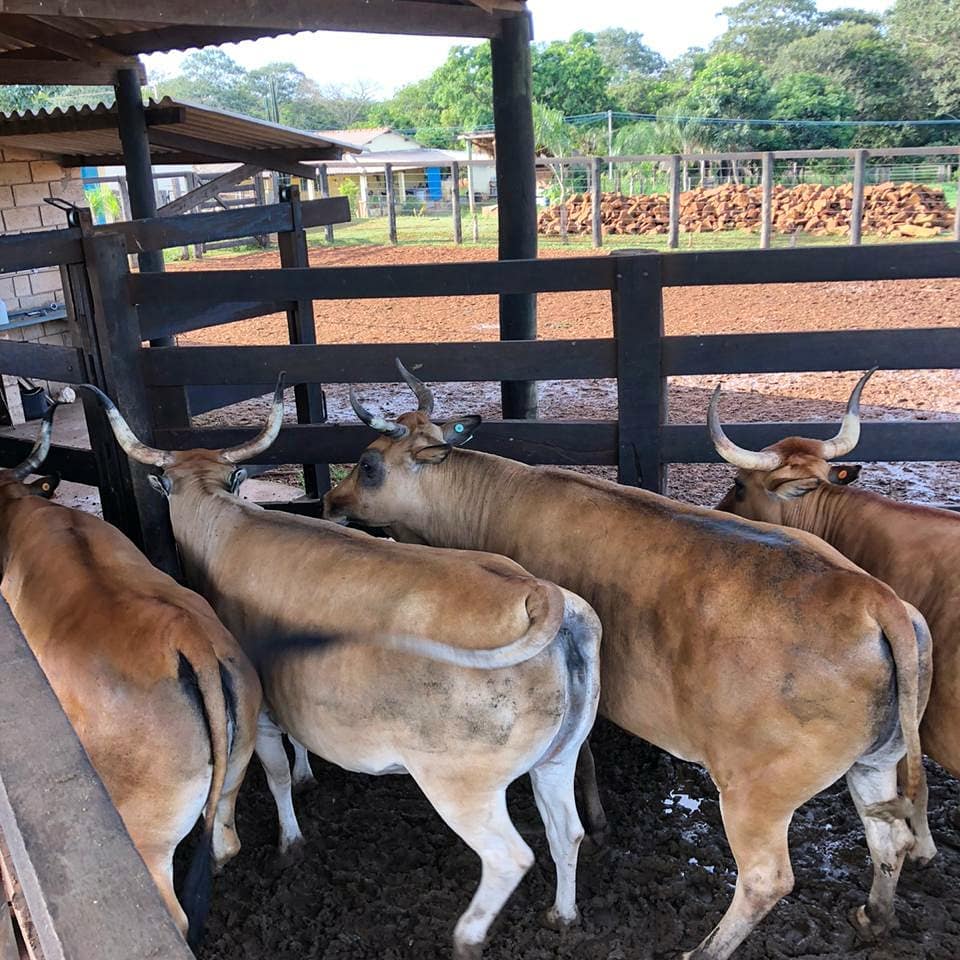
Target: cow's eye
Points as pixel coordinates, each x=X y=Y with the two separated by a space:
x=740 y=489
x=367 y=467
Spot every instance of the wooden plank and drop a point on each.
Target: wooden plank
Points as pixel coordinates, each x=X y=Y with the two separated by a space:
x=87 y=890
x=532 y=441
x=642 y=393
x=364 y=283
x=901 y=261
x=48 y=37
x=931 y=348
x=211 y=188
x=8 y=939
x=935 y=440
x=455 y=202
x=391 y=203
x=856 y=212
x=41 y=360
x=265 y=159
x=203 y=399
x=73 y=72
x=158 y=320
x=311 y=407
x=72 y=463
x=290 y=16
x=324 y=184
x=25 y=251
x=324 y=212
x=375 y=362
x=512 y=75
x=596 y=203
x=673 y=230
x=766 y=204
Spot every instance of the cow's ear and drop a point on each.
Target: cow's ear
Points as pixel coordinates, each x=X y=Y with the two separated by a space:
x=792 y=489
x=844 y=473
x=160 y=483
x=458 y=432
x=45 y=486
x=435 y=453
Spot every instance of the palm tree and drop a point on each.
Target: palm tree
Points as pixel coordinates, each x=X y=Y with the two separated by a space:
x=104 y=203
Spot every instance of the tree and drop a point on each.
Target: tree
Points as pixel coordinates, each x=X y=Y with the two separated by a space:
x=807 y=96
x=928 y=32
x=624 y=54
x=571 y=76
x=212 y=78
x=644 y=94
x=760 y=28
x=730 y=86
x=282 y=82
x=347 y=105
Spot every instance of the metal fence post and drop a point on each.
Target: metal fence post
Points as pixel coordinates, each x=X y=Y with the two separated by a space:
x=766 y=209
x=597 y=201
x=673 y=236
x=391 y=208
x=455 y=197
x=856 y=212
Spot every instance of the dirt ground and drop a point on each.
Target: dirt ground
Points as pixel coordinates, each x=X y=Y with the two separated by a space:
x=382 y=877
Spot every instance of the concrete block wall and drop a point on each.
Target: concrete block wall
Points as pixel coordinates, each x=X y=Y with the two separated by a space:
x=26 y=178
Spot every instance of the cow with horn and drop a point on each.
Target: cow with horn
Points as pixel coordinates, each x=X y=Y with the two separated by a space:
x=160 y=695
x=456 y=667
x=914 y=549
x=762 y=654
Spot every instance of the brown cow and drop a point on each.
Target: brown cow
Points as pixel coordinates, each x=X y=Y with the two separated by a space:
x=456 y=667
x=916 y=550
x=160 y=695
x=763 y=655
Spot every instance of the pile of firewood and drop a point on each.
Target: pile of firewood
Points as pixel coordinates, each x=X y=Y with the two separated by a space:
x=890 y=209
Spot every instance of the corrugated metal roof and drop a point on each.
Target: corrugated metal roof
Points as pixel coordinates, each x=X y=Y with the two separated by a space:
x=77 y=134
x=374 y=161
x=360 y=136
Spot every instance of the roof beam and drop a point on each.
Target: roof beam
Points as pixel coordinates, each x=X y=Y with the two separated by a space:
x=80 y=121
x=65 y=71
x=265 y=159
x=210 y=189
x=290 y=16
x=42 y=35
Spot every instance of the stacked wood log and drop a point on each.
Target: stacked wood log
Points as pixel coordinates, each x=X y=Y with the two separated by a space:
x=890 y=210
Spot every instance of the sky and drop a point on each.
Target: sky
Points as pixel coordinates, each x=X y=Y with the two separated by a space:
x=388 y=62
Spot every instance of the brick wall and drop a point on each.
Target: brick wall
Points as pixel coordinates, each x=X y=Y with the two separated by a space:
x=25 y=179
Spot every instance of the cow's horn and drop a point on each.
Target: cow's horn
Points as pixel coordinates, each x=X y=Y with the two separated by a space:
x=738 y=456
x=849 y=434
x=389 y=428
x=38 y=453
x=263 y=440
x=127 y=439
x=423 y=392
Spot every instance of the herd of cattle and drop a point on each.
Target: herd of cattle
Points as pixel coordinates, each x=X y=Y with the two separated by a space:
x=780 y=648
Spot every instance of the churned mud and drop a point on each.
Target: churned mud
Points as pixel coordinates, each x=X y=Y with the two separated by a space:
x=383 y=878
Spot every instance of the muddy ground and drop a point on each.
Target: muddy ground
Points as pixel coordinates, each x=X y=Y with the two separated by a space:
x=382 y=877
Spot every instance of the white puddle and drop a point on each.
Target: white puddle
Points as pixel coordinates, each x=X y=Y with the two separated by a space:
x=690 y=804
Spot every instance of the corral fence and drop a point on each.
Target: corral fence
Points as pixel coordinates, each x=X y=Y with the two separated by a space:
x=669 y=174
x=113 y=312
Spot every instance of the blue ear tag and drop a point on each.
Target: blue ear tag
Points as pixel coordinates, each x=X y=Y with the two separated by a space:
x=458 y=428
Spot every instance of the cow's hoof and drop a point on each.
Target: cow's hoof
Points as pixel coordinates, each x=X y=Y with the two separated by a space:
x=869 y=930
x=303 y=784
x=553 y=921
x=594 y=843
x=922 y=854
x=290 y=853
x=467 y=951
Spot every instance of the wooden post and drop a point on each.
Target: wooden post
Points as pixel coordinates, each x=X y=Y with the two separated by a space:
x=178 y=192
x=115 y=339
x=517 y=192
x=391 y=208
x=363 y=208
x=641 y=387
x=301 y=329
x=856 y=212
x=325 y=193
x=471 y=190
x=956 y=210
x=673 y=236
x=596 y=202
x=455 y=198
x=192 y=183
x=766 y=208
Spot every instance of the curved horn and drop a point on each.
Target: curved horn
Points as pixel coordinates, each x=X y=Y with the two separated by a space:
x=738 y=456
x=127 y=439
x=423 y=392
x=849 y=435
x=389 y=428
x=38 y=453
x=263 y=440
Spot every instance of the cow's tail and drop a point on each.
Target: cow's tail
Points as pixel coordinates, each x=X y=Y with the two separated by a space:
x=898 y=628
x=216 y=701
x=545 y=610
